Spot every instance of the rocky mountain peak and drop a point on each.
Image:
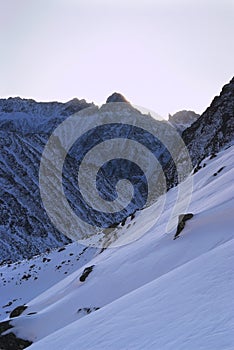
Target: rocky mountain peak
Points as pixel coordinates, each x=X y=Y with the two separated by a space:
x=116 y=97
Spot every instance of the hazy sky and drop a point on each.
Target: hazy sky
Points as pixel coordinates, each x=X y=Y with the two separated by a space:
x=165 y=55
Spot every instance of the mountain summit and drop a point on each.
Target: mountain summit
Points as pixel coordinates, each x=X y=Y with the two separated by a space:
x=116 y=97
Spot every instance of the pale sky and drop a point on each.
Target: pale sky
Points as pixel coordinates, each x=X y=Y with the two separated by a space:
x=165 y=55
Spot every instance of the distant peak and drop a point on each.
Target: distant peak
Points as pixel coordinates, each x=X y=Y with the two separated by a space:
x=183 y=117
x=116 y=97
x=73 y=100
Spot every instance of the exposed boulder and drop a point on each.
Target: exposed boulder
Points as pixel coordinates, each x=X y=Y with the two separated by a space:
x=18 y=311
x=181 y=223
x=86 y=272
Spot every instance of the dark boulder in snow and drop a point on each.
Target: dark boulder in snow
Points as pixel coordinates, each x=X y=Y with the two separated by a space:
x=18 y=311
x=86 y=272
x=181 y=223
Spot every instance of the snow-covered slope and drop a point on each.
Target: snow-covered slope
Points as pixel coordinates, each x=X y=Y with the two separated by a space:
x=156 y=293
x=22 y=281
x=188 y=308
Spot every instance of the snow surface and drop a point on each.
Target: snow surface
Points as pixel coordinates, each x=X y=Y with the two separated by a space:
x=22 y=281
x=156 y=293
x=188 y=308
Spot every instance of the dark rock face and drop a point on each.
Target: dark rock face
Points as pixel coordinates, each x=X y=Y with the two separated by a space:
x=4 y=326
x=215 y=127
x=25 y=228
x=116 y=97
x=25 y=126
x=10 y=341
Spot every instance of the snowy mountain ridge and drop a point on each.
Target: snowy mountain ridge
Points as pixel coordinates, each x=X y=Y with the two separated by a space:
x=26 y=229
x=27 y=116
x=25 y=127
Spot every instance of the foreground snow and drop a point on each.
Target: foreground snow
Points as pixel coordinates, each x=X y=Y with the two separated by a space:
x=22 y=281
x=188 y=308
x=155 y=293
